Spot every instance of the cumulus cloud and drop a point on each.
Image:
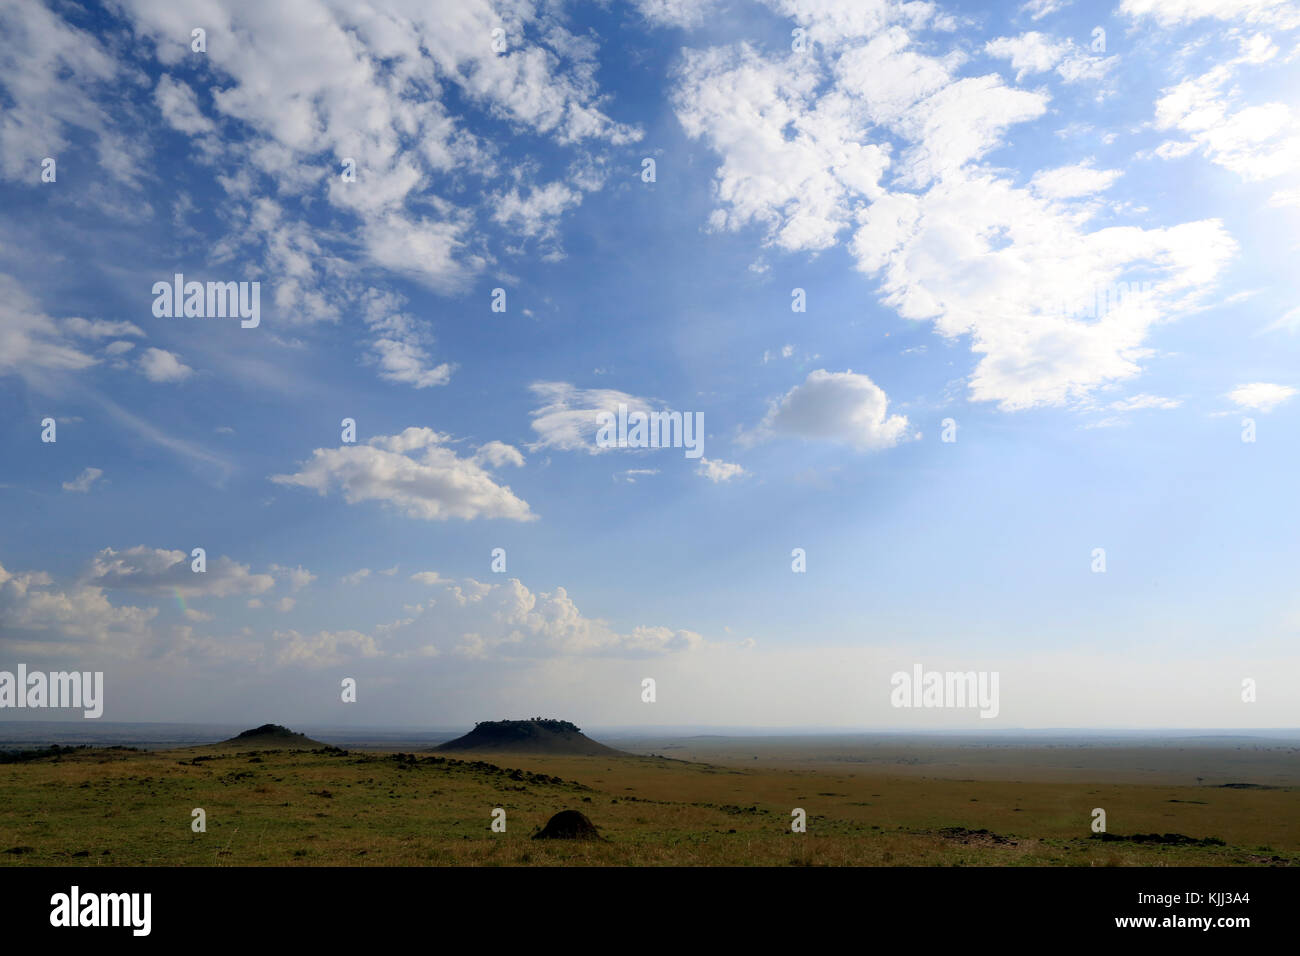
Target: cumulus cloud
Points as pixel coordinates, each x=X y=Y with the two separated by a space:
x=321 y=649
x=1078 y=179
x=159 y=365
x=791 y=164
x=844 y=407
x=1034 y=52
x=719 y=471
x=537 y=214
x=1261 y=396
x=339 y=79
x=1257 y=141
x=298 y=577
x=414 y=471
x=981 y=258
x=161 y=571
x=506 y=620
x=34 y=613
x=54 y=74
x=877 y=145
x=497 y=453
x=180 y=107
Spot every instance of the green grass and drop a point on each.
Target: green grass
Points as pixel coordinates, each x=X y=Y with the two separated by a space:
x=327 y=807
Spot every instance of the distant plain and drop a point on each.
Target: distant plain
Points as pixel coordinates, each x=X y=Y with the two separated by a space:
x=871 y=800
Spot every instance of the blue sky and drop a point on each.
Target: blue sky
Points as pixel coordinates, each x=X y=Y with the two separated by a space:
x=939 y=180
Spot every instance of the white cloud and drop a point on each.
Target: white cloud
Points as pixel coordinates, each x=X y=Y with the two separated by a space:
x=785 y=352
x=497 y=453
x=538 y=213
x=322 y=649
x=433 y=485
x=1144 y=401
x=180 y=107
x=835 y=406
x=1285 y=197
x=356 y=577
x=985 y=261
x=159 y=365
x=298 y=577
x=374 y=84
x=84 y=480
x=1031 y=52
x=1257 y=142
x=1037 y=9
x=631 y=475
x=566 y=419
x=718 y=471
x=1065 y=182
x=676 y=13
x=506 y=620
x=1172 y=149
x=982 y=258
x=99 y=328
x=1034 y=52
x=54 y=73
x=1169 y=13
x=30 y=341
x=160 y=571
x=791 y=164
x=400 y=343
x=29 y=601
x=1261 y=396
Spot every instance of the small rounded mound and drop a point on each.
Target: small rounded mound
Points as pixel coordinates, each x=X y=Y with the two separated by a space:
x=568 y=825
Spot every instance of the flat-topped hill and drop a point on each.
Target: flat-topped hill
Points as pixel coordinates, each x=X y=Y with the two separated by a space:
x=537 y=735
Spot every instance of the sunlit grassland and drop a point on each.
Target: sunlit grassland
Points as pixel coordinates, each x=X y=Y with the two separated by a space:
x=114 y=807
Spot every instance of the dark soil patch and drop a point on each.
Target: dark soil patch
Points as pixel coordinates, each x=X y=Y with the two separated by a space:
x=976 y=837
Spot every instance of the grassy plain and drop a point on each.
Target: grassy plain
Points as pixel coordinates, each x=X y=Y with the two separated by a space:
x=892 y=804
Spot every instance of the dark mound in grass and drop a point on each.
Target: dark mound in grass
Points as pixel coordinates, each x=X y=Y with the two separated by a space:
x=568 y=825
x=272 y=737
x=1162 y=839
x=530 y=736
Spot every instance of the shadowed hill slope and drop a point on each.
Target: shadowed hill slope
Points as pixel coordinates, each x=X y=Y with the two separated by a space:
x=530 y=736
x=272 y=737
